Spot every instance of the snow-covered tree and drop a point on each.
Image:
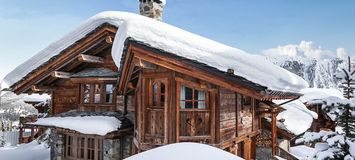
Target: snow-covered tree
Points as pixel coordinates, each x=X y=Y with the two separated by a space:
x=345 y=118
x=12 y=107
x=333 y=145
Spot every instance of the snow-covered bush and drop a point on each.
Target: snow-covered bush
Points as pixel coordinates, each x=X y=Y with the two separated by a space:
x=334 y=145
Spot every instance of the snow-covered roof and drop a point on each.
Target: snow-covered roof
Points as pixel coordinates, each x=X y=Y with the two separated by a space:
x=99 y=125
x=185 y=151
x=314 y=95
x=173 y=40
x=297 y=117
x=36 y=98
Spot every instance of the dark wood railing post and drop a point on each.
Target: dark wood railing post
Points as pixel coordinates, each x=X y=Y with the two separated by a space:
x=273 y=133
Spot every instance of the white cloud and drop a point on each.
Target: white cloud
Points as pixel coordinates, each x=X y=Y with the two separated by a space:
x=341 y=53
x=306 y=49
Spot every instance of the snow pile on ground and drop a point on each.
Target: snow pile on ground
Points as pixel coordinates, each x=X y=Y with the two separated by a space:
x=185 y=151
x=99 y=125
x=316 y=95
x=30 y=151
x=352 y=147
x=173 y=40
x=303 y=152
x=297 y=117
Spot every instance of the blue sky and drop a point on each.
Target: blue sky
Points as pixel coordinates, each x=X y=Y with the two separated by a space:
x=256 y=26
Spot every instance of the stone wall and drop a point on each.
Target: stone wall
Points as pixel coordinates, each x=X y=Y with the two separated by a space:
x=117 y=149
x=56 y=142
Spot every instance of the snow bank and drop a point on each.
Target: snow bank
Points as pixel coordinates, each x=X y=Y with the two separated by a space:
x=351 y=148
x=173 y=40
x=99 y=125
x=303 y=152
x=297 y=118
x=185 y=151
x=30 y=151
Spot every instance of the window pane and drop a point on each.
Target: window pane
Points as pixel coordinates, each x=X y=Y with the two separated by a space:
x=86 y=94
x=188 y=93
x=97 y=93
x=182 y=96
x=155 y=94
x=162 y=95
x=201 y=97
x=109 y=93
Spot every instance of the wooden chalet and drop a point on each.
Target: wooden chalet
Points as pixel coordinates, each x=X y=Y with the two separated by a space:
x=167 y=97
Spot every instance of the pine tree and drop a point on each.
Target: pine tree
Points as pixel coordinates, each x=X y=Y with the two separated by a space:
x=345 y=119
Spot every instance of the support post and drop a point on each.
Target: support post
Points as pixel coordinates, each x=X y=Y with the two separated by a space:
x=273 y=133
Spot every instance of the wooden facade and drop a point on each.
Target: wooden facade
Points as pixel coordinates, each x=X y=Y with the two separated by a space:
x=177 y=100
x=323 y=122
x=169 y=99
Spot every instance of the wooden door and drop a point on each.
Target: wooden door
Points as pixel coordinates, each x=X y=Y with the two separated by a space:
x=194 y=117
x=155 y=124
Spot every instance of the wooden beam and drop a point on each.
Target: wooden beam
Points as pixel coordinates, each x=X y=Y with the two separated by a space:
x=59 y=74
x=90 y=59
x=36 y=88
x=144 y=64
x=109 y=39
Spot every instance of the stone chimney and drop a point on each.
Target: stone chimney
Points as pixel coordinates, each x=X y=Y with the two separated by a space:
x=152 y=8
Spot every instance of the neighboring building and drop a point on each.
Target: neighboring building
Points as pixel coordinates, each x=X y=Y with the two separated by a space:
x=314 y=99
x=160 y=85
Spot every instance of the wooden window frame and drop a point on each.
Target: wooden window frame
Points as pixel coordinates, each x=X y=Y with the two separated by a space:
x=75 y=147
x=102 y=104
x=208 y=108
x=193 y=99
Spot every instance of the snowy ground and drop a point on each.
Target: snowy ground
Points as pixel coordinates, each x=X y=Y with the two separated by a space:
x=185 y=151
x=30 y=151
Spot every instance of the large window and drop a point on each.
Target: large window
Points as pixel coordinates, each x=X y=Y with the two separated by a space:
x=77 y=147
x=194 y=114
x=97 y=93
x=191 y=98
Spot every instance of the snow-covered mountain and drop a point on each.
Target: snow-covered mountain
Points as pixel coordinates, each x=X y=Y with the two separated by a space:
x=318 y=73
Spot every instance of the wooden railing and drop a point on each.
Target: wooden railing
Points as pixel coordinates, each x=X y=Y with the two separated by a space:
x=284 y=154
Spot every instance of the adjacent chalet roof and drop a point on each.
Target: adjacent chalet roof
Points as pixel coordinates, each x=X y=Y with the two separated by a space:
x=95 y=72
x=297 y=118
x=317 y=95
x=185 y=151
x=86 y=122
x=173 y=40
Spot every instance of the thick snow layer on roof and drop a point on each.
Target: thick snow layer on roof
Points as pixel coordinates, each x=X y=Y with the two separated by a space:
x=55 y=48
x=183 y=43
x=314 y=94
x=99 y=125
x=173 y=40
x=36 y=98
x=185 y=151
x=297 y=117
x=29 y=151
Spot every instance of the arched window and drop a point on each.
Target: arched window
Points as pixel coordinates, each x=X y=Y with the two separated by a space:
x=158 y=91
